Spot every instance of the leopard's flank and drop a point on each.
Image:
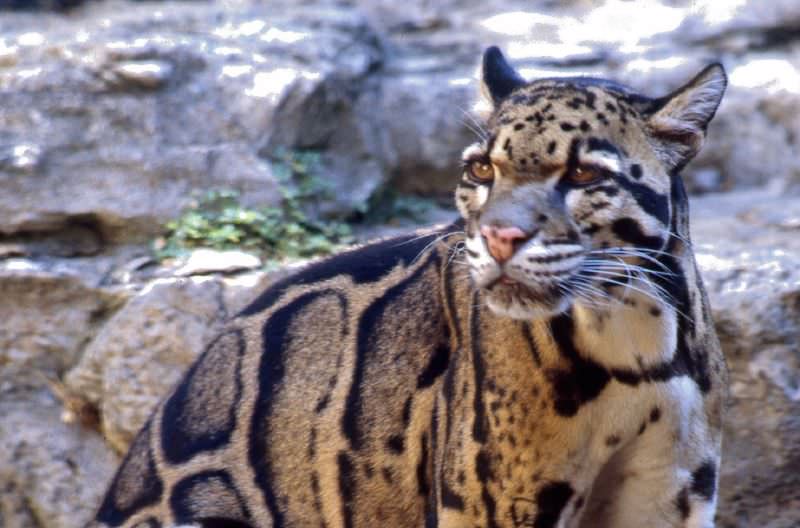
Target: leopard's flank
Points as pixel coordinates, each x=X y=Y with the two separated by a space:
x=547 y=361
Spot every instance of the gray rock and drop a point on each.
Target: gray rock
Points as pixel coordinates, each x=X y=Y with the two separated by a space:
x=48 y=314
x=748 y=249
x=429 y=122
x=134 y=111
x=52 y=474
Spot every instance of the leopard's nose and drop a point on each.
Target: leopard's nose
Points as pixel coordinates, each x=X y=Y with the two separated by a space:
x=503 y=241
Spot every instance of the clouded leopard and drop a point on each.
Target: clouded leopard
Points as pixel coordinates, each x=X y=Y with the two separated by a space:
x=546 y=361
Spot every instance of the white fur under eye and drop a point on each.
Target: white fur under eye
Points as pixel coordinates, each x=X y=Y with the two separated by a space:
x=472 y=151
x=482 y=193
x=602 y=159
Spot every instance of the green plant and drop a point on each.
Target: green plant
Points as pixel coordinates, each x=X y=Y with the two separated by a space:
x=218 y=220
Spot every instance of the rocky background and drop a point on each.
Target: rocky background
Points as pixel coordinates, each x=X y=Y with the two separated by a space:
x=112 y=113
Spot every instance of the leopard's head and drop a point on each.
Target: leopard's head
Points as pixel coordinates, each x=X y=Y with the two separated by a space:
x=572 y=189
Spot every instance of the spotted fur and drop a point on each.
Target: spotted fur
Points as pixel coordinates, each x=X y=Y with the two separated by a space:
x=576 y=381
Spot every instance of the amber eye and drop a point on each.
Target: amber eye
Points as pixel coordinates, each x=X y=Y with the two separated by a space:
x=481 y=171
x=584 y=175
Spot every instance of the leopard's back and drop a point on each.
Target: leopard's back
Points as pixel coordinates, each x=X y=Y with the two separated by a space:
x=309 y=409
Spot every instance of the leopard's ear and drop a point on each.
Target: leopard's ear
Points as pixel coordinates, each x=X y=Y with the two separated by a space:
x=498 y=77
x=677 y=123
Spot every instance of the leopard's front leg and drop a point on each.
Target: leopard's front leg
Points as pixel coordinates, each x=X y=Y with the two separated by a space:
x=500 y=499
x=665 y=477
x=538 y=475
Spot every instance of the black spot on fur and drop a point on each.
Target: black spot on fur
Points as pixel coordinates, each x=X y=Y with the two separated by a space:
x=612 y=440
x=655 y=414
x=551 y=147
x=704 y=480
x=407 y=411
x=572 y=165
x=491 y=507
x=584 y=380
x=437 y=365
x=508 y=148
x=483 y=467
x=423 y=482
x=551 y=500
x=347 y=487
x=608 y=190
x=682 y=503
x=567 y=127
x=585 y=127
x=451 y=499
x=611 y=108
x=655 y=311
x=590 y=99
x=591 y=229
x=519 y=126
x=396 y=444
x=636 y=171
x=218 y=522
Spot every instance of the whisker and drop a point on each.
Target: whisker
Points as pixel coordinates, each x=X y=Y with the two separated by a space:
x=591 y=264
x=484 y=134
x=633 y=252
x=682 y=239
x=608 y=276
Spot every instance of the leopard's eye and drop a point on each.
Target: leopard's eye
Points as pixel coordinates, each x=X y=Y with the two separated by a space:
x=584 y=175
x=481 y=171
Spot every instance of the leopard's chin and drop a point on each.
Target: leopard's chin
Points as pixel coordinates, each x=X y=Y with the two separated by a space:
x=521 y=301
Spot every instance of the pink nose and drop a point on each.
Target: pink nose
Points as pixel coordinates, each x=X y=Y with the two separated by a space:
x=503 y=241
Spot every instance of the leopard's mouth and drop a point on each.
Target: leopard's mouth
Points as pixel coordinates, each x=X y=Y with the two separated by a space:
x=533 y=283
x=523 y=300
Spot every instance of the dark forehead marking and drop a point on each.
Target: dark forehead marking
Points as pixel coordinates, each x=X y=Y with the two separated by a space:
x=595 y=143
x=572 y=157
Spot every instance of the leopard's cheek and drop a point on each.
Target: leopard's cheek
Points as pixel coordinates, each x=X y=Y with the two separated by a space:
x=593 y=213
x=470 y=198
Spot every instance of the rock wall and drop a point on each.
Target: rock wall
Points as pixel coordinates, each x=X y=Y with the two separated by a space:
x=113 y=114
